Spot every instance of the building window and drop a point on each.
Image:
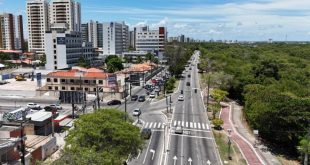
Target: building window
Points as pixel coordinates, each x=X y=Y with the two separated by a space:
x=48 y=80
x=71 y=81
x=50 y=88
x=86 y=89
x=54 y=40
x=54 y=51
x=63 y=88
x=55 y=80
x=72 y=88
x=55 y=67
x=55 y=57
x=94 y=81
x=55 y=62
x=63 y=80
x=100 y=82
x=56 y=88
x=86 y=81
x=95 y=89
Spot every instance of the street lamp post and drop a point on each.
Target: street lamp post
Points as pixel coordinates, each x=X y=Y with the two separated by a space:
x=167 y=104
x=164 y=137
x=229 y=144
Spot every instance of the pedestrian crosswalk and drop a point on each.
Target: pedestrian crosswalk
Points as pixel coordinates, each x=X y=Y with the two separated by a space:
x=175 y=123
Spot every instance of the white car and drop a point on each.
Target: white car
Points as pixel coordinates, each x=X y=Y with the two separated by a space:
x=57 y=106
x=178 y=130
x=181 y=98
x=136 y=112
x=152 y=95
x=33 y=106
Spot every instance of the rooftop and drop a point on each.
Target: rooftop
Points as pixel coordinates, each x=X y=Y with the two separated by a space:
x=80 y=72
x=39 y=116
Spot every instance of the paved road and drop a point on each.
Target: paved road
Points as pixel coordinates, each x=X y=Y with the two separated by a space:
x=196 y=145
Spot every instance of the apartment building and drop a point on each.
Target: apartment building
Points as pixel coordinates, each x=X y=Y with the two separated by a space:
x=93 y=32
x=64 y=48
x=38 y=23
x=150 y=40
x=7 y=31
x=20 y=41
x=66 y=11
x=115 y=38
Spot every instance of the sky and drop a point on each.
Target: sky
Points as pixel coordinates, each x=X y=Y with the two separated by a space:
x=242 y=20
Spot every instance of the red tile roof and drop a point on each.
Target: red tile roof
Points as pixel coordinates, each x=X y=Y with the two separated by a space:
x=78 y=72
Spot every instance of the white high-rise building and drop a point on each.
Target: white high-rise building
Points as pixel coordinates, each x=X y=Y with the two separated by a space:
x=150 y=40
x=115 y=38
x=38 y=23
x=66 y=11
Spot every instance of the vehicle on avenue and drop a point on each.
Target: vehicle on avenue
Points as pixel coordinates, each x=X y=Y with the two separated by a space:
x=181 y=98
x=188 y=75
x=57 y=106
x=146 y=133
x=50 y=109
x=188 y=84
x=178 y=130
x=136 y=112
x=157 y=89
x=141 y=98
x=34 y=106
x=152 y=95
x=114 y=102
x=134 y=97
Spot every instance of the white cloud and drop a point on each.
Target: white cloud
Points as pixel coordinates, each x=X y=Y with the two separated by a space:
x=143 y=23
x=180 y=25
x=162 y=22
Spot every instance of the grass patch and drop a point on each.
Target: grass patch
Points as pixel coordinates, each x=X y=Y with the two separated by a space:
x=221 y=140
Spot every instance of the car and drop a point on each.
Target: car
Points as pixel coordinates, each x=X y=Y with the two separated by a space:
x=50 y=109
x=33 y=106
x=152 y=95
x=188 y=75
x=190 y=68
x=136 y=112
x=157 y=89
x=178 y=130
x=188 y=84
x=146 y=133
x=57 y=106
x=141 y=98
x=134 y=97
x=181 y=98
x=114 y=102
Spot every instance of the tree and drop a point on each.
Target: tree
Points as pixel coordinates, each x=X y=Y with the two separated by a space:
x=217 y=123
x=139 y=60
x=103 y=137
x=4 y=56
x=42 y=59
x=83 y=63
x=215 y=108
x=304 y=148
x=218 y=95
x=114 y=64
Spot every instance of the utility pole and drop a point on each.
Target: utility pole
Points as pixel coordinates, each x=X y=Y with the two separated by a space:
x=98 y=99
x=72 y=109
x=125 y=95
x=167 y=103
x=229 y=144
x=170 y=102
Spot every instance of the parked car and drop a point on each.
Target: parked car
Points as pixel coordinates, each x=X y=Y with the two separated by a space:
x=188 y=84
x=181 y=98
x=114 y=102
x=141 y=98
x=50 y=109
x=134 y=97
x=178 y=130
x=57 y=106
x=152 y=95
x=146 y=133
x=136 y=112
x=34 y=106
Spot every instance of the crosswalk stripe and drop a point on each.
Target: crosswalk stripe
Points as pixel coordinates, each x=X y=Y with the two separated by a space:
x=155 y=125
x=175 y=123
x=203 y=126
x=151 y=125
x=207 y=126
x=163 y=126
x=147 y=124
x=194 y=125
x=182 y=123
x=186 y=124
x=198 y=125
x=191 y=124
x=179 y=123
x=159 y=124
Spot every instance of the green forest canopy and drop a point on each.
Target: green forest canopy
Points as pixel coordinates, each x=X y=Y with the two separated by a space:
x=273 y=82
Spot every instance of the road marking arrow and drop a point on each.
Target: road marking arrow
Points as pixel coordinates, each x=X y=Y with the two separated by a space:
x=190 y=160
x=175 y=160
x=153 y=151
x=208 y=162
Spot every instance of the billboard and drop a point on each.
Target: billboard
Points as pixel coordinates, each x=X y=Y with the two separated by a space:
x=61 y=40
x=112 y=80
x=39 y=78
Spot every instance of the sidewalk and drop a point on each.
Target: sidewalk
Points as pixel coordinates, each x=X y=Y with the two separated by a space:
x=244 y=139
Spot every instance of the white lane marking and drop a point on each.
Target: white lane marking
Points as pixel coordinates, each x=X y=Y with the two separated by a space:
x=163 y=126
x=175 y=123
x=179 y=123
x=199 y=137
x=182 y=123
x=147 y=124
x=207 y=126
x=159 y=124
x=147 y=149
x=195 y=125
x=203 y=126
x=198 y=125
x=155 y=125
x=151 y=124
x=186 y=124
x=191 y=124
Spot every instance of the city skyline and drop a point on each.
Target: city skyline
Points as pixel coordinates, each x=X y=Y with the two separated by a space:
x=254 y=20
